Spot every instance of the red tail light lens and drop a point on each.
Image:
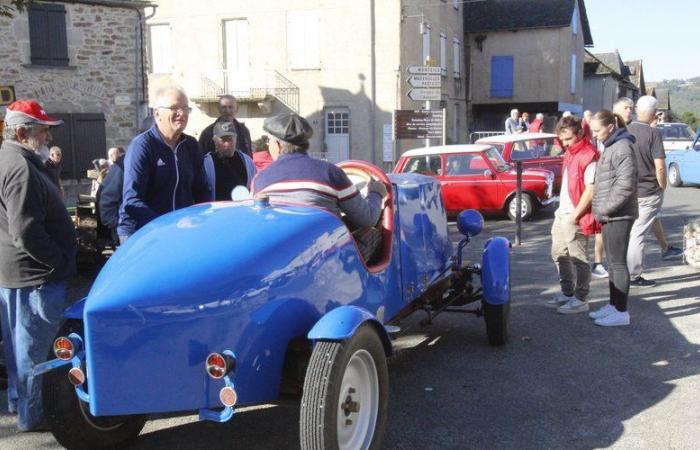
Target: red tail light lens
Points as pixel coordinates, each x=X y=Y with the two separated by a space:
x=63 y=348
x=217 y=366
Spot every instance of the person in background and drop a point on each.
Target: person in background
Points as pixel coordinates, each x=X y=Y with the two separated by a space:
x=261 y=153
x=37 y=257
x=525 y=122
x=586 y=123
x=227 y=167
x=228 y=108
x=53 y=166
x=512 y=124
x=615 y=207
x=537 y=125
x=163 y=168
x=114 y=153
x=108 y=199
x=573 y=220
x=651 y=163
x=101 y=166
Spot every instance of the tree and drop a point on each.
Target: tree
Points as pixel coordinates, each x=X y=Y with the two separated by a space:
x=14 y=6
x=690 y=119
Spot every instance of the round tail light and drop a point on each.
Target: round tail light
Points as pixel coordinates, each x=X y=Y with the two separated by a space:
x=228 y=396
x=219 y=365
x=76 y=376
x=63 y=348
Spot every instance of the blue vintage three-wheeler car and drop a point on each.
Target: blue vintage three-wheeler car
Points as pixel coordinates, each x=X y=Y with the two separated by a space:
x=234 y=303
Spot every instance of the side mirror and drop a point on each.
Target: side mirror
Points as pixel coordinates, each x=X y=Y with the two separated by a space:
x=488 y=173
x=470 y=222
x=240 y=193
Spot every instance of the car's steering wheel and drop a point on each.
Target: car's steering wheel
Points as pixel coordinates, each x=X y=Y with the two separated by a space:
x=361 y=173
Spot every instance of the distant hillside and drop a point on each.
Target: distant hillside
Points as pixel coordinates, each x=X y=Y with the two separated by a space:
x=685 y=95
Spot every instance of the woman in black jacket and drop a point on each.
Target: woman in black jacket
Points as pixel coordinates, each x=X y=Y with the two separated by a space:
x=615 y=206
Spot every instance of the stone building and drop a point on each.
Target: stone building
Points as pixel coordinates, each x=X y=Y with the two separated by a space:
x=526 y=55
x=606 y=78
x=83 y=61
x=342 y=65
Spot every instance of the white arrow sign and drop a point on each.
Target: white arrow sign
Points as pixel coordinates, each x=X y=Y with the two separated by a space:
x=424 y=70
x=424 y=95
x=425 y=81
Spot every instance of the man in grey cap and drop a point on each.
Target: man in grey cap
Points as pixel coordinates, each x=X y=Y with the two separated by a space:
x=37 y=256
x=227 y=167
x=295 y=177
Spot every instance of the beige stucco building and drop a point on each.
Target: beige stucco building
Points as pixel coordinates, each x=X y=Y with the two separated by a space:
x=533 y=62
x=83 y=61
x=342 y=65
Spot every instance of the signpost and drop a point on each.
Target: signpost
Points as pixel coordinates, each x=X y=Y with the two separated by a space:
x=425 y=95
x=424 y=70
x=418 y=124
x=425 y=81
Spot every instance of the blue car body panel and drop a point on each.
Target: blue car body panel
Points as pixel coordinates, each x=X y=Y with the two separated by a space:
x=495 y=271
x=150 y=320
x=342 y=322
x=688 y=162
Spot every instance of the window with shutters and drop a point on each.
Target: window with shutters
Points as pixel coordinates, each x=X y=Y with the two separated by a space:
x=48 y=40
x=501 y=76
x=303 y=39
x=456 y=53
x=426 y=43
x=161 y=54
x=443 y=54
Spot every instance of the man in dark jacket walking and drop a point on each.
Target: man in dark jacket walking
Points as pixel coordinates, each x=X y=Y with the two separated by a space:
x=163 y=168
x=37 y=256
x=109 y=197
x=228 y=107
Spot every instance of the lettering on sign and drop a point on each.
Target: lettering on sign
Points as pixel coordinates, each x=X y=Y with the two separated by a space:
x=424 y=70
x=425 y=81
x=424 y=94
x=418 y=124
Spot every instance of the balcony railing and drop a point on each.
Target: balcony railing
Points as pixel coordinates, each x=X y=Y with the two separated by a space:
x=262 y=85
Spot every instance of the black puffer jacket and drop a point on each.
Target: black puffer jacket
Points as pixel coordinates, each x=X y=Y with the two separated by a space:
x=615 y=196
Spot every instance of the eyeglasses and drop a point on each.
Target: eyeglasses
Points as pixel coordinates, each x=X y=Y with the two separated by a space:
x=179 y=109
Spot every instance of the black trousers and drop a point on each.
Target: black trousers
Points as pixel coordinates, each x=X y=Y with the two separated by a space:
x=616 y=239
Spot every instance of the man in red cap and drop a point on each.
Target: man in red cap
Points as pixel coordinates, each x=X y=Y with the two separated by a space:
x=37 y=256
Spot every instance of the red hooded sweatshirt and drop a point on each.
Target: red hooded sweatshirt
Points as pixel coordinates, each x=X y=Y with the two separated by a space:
x=576 y=159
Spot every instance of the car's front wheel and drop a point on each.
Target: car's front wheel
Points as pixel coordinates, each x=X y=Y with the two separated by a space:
x=69 y=418
x=497 y=318
x=525 y=207
x=674 y=176
x=346 y=394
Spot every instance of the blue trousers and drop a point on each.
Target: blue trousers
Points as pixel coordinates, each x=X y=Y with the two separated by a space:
x=30 y=318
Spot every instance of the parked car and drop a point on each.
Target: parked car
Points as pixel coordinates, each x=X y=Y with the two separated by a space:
x=233 y=303
x=535 y=150
x=476 y=176
x=684 y=165
x=676 y=136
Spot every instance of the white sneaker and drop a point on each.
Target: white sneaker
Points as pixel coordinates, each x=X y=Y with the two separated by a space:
x=602 y=312
x=573 y=306
x=599 y=271
x=615 y=319
x=557 y=301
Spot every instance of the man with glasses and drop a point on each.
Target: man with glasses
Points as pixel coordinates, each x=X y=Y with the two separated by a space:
x=163 y=169
x=228 y=108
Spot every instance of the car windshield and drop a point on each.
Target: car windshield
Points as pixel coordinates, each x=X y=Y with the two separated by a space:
x=496 y=160
x=676 y=132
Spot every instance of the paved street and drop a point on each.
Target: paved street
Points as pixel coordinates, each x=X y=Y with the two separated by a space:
x=561 y=382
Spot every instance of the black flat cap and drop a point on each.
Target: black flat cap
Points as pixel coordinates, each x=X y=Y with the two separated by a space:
x=290 y=128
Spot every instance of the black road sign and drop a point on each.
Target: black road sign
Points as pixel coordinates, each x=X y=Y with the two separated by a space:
x=419 y=124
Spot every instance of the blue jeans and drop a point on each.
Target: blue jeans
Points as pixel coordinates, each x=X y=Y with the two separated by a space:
x=30 y=317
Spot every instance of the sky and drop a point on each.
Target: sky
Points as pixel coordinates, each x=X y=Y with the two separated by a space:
x=664 y=34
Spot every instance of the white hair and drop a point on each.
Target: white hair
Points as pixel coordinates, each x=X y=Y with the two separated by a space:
x=647 y=103
x=566 y=114
x=163 y=92
x=539 y=116
x=514 y=111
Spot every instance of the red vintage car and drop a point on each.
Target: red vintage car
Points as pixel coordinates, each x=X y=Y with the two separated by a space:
x=477 y=177
x=535 y=150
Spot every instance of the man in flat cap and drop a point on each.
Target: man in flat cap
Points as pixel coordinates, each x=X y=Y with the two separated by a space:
x=227 y=167
x=37 y=256
x=295 y=177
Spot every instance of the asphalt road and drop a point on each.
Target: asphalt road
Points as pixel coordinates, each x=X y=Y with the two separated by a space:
x=561 y=382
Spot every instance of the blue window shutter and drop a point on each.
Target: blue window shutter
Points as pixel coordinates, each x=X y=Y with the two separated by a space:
x=501 y=76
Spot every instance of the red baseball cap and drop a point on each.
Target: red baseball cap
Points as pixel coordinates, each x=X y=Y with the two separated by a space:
x=27 y=112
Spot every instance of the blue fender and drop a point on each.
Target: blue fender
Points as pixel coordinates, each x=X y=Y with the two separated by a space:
x=342 y=322
x=75 y=311
x=495 y=271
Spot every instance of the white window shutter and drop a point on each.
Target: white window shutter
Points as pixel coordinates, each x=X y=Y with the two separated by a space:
x=426 y=43
x=573 y=73
x=443 y=53
x=456 y=57
x=303 y=39
x=311 y=38
x=161 y=54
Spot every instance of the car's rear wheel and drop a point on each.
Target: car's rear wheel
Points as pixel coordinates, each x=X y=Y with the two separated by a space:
x=497 y=318
x=346 y=394
x=674 y=176
x=525 y=207
x=69 y=418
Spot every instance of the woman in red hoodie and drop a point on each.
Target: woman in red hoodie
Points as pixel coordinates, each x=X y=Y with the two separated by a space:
x=261 y=154
x=573 y=220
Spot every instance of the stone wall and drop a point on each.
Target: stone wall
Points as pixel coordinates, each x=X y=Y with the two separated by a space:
x=104 y=73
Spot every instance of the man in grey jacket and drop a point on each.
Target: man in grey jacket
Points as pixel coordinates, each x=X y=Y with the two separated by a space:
x=37 y=256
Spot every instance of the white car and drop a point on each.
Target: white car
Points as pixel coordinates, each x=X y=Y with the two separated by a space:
x=676 y=136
